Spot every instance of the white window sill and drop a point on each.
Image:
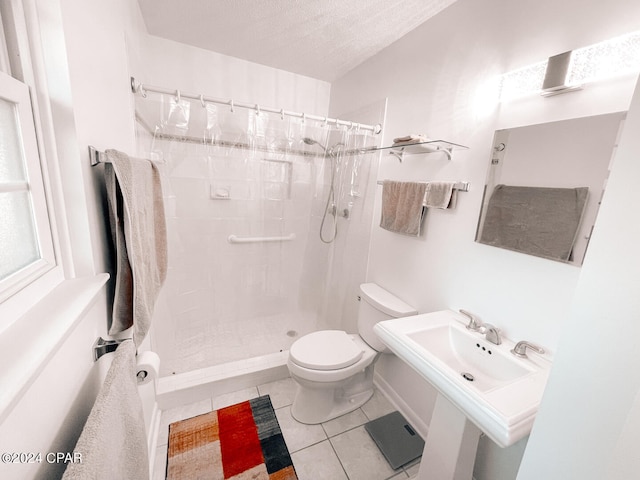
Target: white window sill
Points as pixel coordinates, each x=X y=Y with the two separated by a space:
x=27 y=346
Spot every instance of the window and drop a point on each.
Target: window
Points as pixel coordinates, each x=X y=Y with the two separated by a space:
x=26 y=248
x=29 y=263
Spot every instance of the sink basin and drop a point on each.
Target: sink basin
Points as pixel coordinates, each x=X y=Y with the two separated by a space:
x=497 y=391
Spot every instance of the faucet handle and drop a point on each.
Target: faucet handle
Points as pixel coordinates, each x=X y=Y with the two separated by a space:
x=520 y=350
x=474 y=323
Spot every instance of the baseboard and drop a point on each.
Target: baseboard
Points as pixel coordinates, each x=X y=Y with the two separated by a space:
x=152 y=436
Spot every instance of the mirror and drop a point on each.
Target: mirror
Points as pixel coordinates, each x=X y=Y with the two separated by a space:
x=544 y=186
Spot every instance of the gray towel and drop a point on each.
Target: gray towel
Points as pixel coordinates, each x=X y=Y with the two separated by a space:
x=535 y=220
x=402 y=207
x=138 y=229
x=441 y=195
x=113 y=442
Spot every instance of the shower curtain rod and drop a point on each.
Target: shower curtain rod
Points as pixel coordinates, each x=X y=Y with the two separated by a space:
x=137 y=87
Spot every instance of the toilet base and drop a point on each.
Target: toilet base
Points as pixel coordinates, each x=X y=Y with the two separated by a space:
x=316 y=402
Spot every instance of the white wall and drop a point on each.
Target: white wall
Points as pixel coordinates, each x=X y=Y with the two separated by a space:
x=592 y=394
x=431 y=78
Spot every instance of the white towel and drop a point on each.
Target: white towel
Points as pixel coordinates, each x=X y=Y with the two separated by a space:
x=113 y=442
x=410 y=139
x=441 y=195
x=139 y=234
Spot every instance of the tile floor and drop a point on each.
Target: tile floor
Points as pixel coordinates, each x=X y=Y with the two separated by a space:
x=340 y=449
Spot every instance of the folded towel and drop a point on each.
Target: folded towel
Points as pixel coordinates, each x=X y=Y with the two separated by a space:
x=138 y=229
x=535 y=220
x=441 y=195
x=410 y=139
x=402 y=207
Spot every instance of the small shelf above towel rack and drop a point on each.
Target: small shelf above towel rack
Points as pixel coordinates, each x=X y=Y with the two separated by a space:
x=460 y=186
x=431 y=146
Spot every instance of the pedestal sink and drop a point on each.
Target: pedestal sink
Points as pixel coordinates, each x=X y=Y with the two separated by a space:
x=482 y=388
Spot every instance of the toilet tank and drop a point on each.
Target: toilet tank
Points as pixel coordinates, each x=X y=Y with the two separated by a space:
x=376 y=304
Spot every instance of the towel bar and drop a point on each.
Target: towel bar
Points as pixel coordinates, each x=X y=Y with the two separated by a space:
x=236 y=239
x=460 y=186
x=102 y=347
x=96 y=156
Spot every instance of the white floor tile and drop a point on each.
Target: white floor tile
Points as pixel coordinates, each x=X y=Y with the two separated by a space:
x=345 y=422
x=298 y=435
x=360 y=457
x=377 y=406
x=318 y=462
x=227 y=399
x=281 y=392
x=412 y=471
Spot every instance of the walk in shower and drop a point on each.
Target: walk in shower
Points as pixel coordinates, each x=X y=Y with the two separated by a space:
x=268 y=219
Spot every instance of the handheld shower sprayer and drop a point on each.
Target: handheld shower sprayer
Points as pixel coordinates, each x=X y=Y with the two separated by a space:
x=331 y=206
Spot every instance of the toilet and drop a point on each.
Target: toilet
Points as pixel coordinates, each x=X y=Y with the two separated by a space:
x=333 y=369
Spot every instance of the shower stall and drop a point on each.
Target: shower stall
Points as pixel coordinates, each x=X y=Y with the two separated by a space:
x=268 y=222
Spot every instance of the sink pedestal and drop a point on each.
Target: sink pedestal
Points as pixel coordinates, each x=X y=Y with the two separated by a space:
x=451 y=444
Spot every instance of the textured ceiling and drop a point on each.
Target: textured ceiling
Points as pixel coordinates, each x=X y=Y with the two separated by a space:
x=323 y=39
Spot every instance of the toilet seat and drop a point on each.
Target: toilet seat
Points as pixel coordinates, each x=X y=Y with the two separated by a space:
x=325 y=350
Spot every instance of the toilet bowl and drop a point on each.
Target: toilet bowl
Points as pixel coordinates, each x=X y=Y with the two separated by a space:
x=333 y=369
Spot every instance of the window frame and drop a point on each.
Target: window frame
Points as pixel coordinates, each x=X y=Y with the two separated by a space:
x=18 y=93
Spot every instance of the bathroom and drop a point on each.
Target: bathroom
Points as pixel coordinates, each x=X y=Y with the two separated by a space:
x=585 y=316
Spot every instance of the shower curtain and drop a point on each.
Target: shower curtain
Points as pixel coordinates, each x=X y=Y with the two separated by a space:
x=247 y=196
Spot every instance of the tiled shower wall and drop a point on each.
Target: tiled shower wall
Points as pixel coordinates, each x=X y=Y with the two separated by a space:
x=225 y=301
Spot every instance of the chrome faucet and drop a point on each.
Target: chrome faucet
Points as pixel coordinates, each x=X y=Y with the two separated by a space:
x=492 y=334
x=520 y=350
x=474 y=323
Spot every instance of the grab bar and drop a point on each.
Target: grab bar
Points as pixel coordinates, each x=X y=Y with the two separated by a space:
x=237 y=239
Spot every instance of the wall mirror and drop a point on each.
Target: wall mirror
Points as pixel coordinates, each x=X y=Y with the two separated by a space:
x=544 y=186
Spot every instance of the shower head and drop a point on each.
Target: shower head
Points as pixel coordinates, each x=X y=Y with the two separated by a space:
x=311 y=141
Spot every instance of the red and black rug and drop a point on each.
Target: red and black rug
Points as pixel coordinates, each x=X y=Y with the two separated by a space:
x=240 y=442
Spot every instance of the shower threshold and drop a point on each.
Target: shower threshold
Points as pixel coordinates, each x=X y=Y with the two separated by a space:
x=189 y=387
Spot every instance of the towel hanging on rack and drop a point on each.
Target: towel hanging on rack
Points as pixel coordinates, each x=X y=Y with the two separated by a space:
x=441 y=195
x=402 y=207
x=139 y=234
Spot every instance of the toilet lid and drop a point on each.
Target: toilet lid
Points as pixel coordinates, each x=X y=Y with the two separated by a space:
x=325 y=350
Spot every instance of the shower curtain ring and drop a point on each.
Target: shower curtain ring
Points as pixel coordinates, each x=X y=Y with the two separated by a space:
x=202 y=101
x=282 y=114
x=231 y=103
x=178 y=95
x=304 y=117
x=143 y=92
x=257 y=110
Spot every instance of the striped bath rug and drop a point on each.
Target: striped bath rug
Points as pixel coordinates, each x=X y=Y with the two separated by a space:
x=240 y=442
